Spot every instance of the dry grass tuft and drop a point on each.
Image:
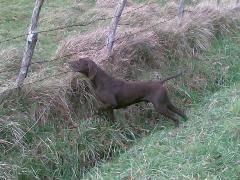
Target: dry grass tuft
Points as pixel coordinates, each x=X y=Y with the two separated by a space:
x=170 y=9
x=109 y=3
x=91 y=44
x=188 y=38
x=146 y=15
x=11 y=58
x=7 y=171
x=12 y=130
x=106 y=3
x=136 y=57
x=69 y=96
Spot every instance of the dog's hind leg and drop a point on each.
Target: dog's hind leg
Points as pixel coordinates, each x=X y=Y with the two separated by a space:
x=176 y=110
x=162 y=109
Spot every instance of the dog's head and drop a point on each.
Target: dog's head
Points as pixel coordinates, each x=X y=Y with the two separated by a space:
x=85 y=66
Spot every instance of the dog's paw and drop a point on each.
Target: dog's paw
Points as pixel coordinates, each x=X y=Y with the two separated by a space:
x=73 y=125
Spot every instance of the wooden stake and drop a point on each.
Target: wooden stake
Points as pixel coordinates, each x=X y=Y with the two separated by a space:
x=114 y=24
x=31 y=43
x=181 y=10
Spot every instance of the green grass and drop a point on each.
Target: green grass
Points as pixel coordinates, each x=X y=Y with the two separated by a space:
x=15 y=20
x=54 y=151
x=217 y=68
x=206 y=147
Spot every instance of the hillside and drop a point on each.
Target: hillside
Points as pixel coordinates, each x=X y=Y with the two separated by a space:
x=36 y=138
x=206 y=147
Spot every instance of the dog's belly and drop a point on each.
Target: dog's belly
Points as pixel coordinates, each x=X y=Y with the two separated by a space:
x=127 y=102
x=131 y=93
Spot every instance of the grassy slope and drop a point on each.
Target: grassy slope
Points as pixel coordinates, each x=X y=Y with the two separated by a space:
x=55 y=152
x=207 y=146
x=14 y=21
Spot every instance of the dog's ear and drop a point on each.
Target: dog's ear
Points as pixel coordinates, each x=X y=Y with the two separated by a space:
x=92 y=69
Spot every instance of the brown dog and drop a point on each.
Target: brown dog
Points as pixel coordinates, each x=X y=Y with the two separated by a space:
x=116 y=93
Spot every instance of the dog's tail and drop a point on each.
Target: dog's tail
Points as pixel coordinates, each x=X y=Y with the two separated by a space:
x=171 y=77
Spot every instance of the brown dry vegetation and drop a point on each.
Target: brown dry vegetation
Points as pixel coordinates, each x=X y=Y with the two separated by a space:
x=145 y=42
x=142 y=45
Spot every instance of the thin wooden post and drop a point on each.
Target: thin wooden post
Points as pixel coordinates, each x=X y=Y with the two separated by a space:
x=114 y=24
x=218 y=2
x=31 y=43
x=181 y=10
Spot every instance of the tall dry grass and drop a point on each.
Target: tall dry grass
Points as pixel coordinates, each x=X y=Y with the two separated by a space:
x=147 y=49
x=143 y=44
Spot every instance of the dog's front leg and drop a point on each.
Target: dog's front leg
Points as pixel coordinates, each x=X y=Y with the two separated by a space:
x=105 y=107
x=110 y=115
x=109 y=103
x=107 y=110
x=108 y=100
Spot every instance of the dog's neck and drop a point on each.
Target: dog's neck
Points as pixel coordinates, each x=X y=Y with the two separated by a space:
x=101 y=78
